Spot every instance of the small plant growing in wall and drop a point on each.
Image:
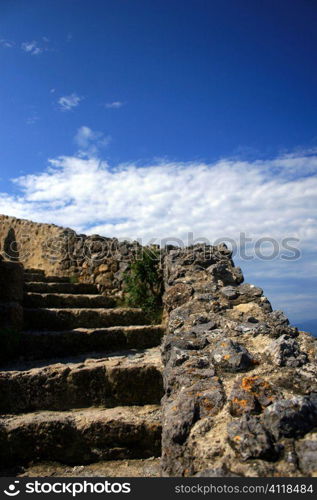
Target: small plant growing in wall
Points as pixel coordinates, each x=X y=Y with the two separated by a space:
x=143 y=284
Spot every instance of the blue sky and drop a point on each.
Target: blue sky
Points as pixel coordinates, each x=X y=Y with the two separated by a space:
x=156 y=119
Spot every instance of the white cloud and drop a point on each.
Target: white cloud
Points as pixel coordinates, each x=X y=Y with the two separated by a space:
x=69 y=102
x=90 y=141
x=114 y=105
x=32 y=119
x=172 y=199
x=32 y=48
x=274 y=198
x=8 y=44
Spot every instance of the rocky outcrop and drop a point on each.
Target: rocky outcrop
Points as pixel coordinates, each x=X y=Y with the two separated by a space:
x=240 y=382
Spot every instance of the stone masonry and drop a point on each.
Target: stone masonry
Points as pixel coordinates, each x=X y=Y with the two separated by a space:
x=85 y=384
x=237 y=384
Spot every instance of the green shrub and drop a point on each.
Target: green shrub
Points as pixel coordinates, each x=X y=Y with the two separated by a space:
x=73 y=279
x=143 y=284
x=9 y=344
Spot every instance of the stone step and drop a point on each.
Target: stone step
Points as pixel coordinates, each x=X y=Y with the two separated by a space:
x=144 y=467
x=41 y=344
x=129 y=378
x=70 y=288
x=67 y=300
x=81 y=437
x=34 y=271
x=68 y=319
x=39 y=278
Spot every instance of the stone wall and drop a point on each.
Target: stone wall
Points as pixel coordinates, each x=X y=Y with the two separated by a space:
x=61 y=252
x=11 y=295
x=35 y=245
x=240 y=382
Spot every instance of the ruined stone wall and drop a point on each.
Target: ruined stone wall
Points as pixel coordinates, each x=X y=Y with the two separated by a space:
x=240 y=382
x=32 y=244
x=61 y=252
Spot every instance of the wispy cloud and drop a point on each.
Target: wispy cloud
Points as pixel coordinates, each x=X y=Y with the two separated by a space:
x=32 y=119
x=89 y=141
x=114 y=105
x=8 y=44
x=69 y=102
x=32 y=48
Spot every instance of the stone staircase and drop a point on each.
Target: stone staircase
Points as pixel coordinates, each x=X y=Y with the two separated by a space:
x=88 y=387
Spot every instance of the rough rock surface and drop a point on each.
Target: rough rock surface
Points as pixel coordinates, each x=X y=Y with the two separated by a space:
x=240 y=382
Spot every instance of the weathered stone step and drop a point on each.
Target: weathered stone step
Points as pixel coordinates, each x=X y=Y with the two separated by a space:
x=81 y=437
x=57 y=300
x=68 y=319
x=41 y=287
x=39 y=278
x=41 y=344
x=34 y=271
x=144 y=467
x=134 y=377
